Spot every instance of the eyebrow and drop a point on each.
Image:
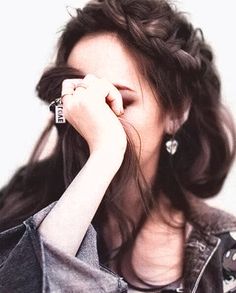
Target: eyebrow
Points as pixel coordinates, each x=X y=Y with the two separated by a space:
x=117 y=85
x=123 y=87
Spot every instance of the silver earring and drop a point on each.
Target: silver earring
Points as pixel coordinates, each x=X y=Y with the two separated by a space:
x=171 y=146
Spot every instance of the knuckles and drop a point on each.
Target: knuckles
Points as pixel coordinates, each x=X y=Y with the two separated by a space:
x=91 y=80
x=97 y=90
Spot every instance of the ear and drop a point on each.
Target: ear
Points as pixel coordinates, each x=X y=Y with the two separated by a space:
x=173 y=124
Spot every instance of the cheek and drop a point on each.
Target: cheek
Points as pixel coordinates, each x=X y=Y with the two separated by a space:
x=152 y=135
x=147 y=127
x=153 y=125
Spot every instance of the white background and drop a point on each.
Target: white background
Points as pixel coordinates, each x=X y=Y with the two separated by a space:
x=29 y=30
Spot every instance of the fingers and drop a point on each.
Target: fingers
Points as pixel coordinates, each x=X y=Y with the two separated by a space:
x=94 y=88
x=69 y=85
x=114 y=98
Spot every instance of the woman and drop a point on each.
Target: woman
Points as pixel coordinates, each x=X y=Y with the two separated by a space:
x=142 y=139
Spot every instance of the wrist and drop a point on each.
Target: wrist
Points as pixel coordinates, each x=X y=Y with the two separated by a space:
x=108 y=158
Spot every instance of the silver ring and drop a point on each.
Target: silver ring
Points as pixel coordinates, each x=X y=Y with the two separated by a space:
x=62 y=96
x=82 y=84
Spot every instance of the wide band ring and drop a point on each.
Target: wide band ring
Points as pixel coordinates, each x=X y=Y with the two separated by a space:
x=53 y=104
x=56 y=102
x=56 y=107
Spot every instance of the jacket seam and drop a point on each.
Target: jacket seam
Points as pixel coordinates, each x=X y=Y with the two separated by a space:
x=204 y=267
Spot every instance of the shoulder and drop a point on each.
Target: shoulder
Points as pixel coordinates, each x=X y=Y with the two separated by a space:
x=215 y=229
x=209 y=219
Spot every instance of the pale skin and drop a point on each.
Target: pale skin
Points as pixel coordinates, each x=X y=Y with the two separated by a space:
x=97 y=114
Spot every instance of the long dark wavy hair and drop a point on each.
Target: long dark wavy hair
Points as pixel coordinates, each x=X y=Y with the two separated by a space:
x=179 y=66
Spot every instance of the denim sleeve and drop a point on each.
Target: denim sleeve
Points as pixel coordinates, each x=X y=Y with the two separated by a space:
x=29 y=264
x=20 y=260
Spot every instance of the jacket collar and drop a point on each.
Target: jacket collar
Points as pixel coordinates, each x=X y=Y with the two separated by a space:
x=209 y=219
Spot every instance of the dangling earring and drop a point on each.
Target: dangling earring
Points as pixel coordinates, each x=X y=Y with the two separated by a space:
x=171 y=146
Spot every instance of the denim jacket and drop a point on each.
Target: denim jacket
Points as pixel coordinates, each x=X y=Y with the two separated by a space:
x=209 y=264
